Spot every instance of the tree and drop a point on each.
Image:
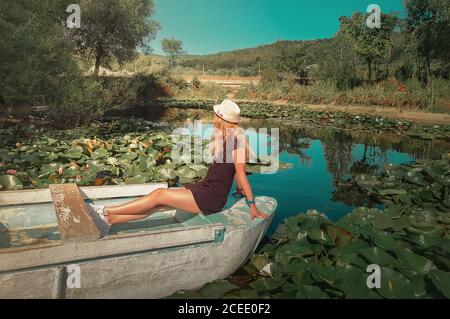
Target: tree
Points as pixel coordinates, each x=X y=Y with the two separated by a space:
x=35 y=54
x=114 y=29
x=291 y=60
x=338 y=63
x=372 y=44
x=173 y=48
x=428 y=26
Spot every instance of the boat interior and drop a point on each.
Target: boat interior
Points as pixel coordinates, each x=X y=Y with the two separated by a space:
x=29 y=217
x=36 y=223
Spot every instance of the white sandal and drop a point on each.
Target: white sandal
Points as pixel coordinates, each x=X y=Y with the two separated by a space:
x=100 y=218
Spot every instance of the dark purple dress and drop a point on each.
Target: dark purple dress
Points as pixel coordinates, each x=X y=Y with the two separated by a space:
x=211 y=193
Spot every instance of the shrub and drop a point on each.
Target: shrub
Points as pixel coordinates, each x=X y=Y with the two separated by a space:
x=196 y=84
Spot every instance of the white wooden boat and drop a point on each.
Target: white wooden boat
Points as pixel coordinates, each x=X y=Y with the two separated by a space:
x=43 y=234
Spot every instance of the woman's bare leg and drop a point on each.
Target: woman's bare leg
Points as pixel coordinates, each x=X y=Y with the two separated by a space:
x=120 y=219
x=181 y=199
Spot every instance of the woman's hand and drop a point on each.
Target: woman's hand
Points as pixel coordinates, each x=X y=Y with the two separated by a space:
x=256 y=213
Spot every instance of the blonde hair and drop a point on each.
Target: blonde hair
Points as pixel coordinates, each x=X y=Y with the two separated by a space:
x=226 y=133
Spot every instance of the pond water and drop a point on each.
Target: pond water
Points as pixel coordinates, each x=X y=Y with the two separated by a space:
x=322 y=159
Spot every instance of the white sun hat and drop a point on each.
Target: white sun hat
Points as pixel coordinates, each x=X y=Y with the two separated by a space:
x=228 y=111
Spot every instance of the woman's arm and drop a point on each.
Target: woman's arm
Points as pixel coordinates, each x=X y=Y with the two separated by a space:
x=239 y=189
x=242 y=180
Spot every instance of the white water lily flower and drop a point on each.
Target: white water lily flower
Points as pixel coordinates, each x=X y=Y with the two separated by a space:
x=113 y=161
x=267 y=270
x=302 y=235
x=133 y=146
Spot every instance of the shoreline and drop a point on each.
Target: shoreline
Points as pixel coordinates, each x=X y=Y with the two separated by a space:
x=416 y=116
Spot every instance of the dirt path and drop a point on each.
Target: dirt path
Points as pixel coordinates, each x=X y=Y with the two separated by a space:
x=388 y=112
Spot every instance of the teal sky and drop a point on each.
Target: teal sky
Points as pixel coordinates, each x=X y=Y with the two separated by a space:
x=210 y=26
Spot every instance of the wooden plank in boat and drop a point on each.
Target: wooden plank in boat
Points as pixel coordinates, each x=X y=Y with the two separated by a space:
x=12 y=259
x=75 y=222
x=36 y=196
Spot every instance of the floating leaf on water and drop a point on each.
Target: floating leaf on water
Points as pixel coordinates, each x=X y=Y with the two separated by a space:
x=95 y=167
x=75 y=152
x=311 y=292
x=384 y=240
x=350 y=259
x=339 y=236
x=10 y=182
x=410 y=262
x=354 y=247
x=427 y=241
x=390 y=192
x=259 y=261
x=441 y=280
x=217 y=289
x=138 y=179
x=382 y=222
x=264 y=285
x=287 y=252
x=394 y=285
x=146 y=162
x=129 y=157
x=319 y=236
x=186 y=174
x=51 y=168
x=242 y=294
x=377 y=256
x=354 y=284
x=100 y=153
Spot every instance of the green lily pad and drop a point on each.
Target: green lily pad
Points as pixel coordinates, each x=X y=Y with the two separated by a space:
x=146 y=163
x=186 y=174
x=353 y=248
x=138 y=179
x=10 y=182
x=51 y=168
x=441 y=280
x=377 y=256
x=385 y=241
x=394 y=285
x=390 y=192
x=244 y=294
x=410 y=262
x=99 y=153
x=311 y=292
x=319 y=236
x=95 y=166
x=217 y=289
x=339 y=236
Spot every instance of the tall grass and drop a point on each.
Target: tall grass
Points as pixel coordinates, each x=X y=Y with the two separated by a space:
x=411 y=94
x=199 y=91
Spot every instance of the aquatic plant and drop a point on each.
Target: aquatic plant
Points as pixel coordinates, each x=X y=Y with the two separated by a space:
x=311 y=257
x=342 y=120
x=125 y=152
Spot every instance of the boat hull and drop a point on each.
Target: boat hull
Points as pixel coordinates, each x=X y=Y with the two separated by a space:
x=157 y=273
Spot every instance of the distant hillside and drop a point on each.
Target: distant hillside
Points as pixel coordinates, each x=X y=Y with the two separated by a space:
x=323 y=54
x=249 y=58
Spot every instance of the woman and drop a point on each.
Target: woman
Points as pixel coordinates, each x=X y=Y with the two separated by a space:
x=230 y=152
